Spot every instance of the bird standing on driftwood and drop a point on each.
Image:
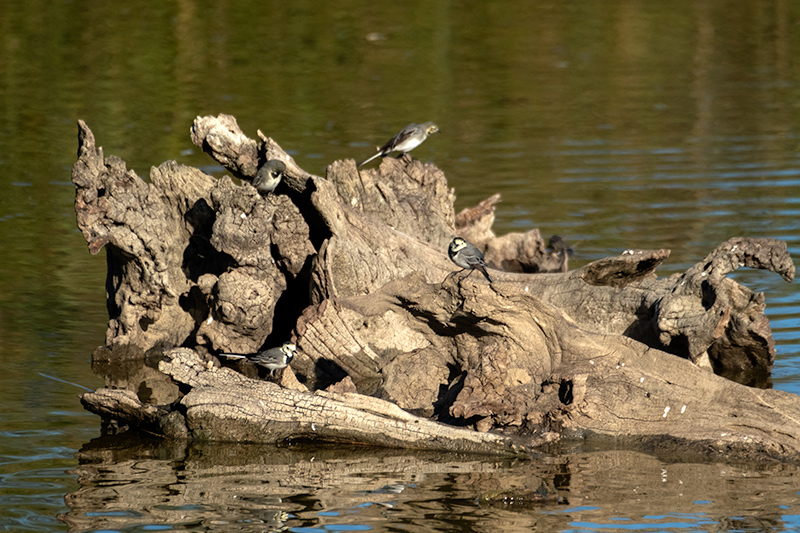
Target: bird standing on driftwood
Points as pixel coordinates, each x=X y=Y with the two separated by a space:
x=560 y=254
x=468 y=257
x=269 y=175
x=272 y=359
x=409 y=138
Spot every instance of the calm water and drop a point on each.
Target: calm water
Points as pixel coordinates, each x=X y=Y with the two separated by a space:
x=616 y=124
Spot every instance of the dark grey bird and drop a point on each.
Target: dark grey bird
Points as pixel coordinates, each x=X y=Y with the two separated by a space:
x=409 y=138
x=269 y=176
x=558 y=260
x=467 y=256
x=272 y=359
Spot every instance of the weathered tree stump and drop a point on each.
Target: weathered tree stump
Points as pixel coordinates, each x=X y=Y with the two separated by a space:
x=353 y=268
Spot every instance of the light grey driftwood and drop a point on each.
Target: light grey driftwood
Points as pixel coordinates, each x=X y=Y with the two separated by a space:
x=223 y=405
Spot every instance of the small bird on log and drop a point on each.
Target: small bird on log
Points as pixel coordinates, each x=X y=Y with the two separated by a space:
x=559 y=246
x=409 y=138
x=272 y=359
x=269 y=175
x=558 y=259
x=467 y=256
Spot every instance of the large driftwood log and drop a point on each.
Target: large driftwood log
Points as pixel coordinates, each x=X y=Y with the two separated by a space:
x=353 y=267
x=224 y=405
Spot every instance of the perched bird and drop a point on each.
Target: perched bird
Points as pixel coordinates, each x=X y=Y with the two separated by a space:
x=467 y=256
x=269 y=175
x=273 y=359
x=558 y=260
x=409 y=138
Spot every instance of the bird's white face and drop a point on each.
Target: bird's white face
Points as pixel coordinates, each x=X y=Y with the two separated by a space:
x=433 y=128
x=289 y=348
x=457 y=245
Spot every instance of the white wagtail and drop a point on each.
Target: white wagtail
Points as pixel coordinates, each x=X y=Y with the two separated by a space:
x=559 y=245
x=269 y=175
x=409 y=138
x=467 y=256
x=273 y=359
x=558 y=260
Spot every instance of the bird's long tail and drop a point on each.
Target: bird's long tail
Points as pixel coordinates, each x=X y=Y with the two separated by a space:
x=485 y=274
x=379 y=153
x=235 y=355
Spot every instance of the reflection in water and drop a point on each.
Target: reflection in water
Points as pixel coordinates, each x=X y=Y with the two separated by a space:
x=129 y=483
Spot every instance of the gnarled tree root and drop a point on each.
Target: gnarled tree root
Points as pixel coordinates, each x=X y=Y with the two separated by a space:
x=353 y=267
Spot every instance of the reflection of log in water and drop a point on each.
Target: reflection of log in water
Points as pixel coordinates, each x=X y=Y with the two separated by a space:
x=257 y=488
x=354 y=268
